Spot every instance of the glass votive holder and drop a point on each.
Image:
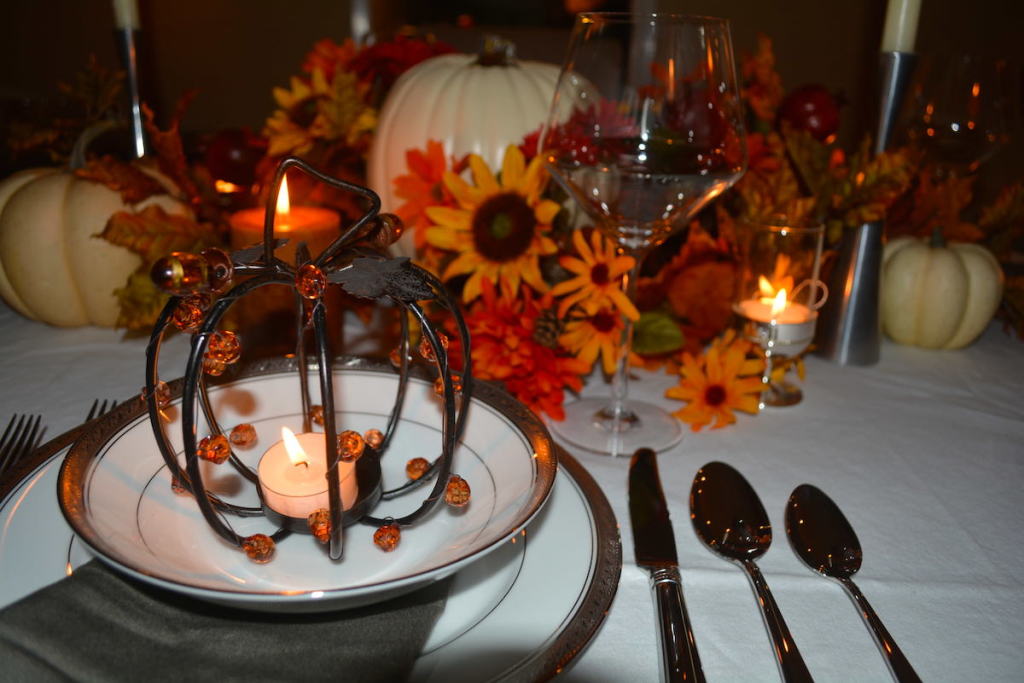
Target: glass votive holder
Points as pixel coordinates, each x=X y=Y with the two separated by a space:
x=778 y=296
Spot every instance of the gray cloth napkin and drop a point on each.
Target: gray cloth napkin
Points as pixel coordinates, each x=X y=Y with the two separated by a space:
x=100 y=626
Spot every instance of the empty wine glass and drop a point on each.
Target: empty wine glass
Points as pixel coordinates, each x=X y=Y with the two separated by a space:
x=645 y=129
x=958 y=111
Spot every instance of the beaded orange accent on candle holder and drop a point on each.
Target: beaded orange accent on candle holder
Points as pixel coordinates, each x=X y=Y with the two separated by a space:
x=416 y=468
x=373 y=438
x=320 y=524
x=214 y=449
x=243 y=435
x=334 y=477
x=387 y=536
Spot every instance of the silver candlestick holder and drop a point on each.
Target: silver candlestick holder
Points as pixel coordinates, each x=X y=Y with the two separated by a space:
x=849 y=331
x=127 y=43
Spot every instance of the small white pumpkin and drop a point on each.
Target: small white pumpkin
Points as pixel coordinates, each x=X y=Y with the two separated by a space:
x=469 y=103
x=54 y=267
x=935 y=295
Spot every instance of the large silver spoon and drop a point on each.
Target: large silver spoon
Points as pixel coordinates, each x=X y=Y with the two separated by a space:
x=729 y=518
x=825 y=541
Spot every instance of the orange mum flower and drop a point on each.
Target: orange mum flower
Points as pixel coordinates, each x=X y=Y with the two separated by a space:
x=506 y=348
x=721 y=381
x=599 y=271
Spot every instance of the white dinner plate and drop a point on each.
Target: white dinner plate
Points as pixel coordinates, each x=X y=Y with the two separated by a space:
x=531 y=606
x=115 y=490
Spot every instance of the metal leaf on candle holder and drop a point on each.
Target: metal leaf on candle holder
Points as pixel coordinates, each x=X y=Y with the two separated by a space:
x=778 y=296
x=356 y=262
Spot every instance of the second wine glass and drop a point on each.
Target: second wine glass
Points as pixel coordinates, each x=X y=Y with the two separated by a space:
x=646 y=128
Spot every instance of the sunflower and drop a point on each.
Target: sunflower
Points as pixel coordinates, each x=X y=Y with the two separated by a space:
x=288 y=130
x=318 y=109
x=597 y=330
x=599 y=270
x=499 y=229
x=722 y=381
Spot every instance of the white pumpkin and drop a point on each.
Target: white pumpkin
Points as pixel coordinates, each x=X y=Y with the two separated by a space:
x=468 y=107
x=938 y=296
x=53 y=265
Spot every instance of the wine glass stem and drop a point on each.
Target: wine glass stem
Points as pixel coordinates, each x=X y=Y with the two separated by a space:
x=618 y=410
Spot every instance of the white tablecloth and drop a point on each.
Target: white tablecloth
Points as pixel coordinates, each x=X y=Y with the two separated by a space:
x=924 y=453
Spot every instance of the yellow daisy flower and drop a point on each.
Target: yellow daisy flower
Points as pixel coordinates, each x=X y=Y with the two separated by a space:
x=499 y=230
x=599 y=271
x=597 y=331
x=716 y=385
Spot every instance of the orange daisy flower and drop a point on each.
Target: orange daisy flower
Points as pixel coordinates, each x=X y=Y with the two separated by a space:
x=722 y=381
x=506 y=348
x=499 y=230
x=598 y=331
x=599 y=270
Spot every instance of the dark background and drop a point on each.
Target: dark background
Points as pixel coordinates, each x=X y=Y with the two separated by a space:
x=235 y=51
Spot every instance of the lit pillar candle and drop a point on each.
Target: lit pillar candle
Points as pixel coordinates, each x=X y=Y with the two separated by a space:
x=293 y=476
x=901 y=25
x=315 y=226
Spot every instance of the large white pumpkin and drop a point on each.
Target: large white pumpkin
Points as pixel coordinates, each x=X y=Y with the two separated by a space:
x=53 y=265
x=938 y=296
x=468 y=107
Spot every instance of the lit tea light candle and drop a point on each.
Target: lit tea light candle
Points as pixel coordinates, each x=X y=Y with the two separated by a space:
x=786 y=324
x=315 y=226
x=773 y=307
x=293 y=476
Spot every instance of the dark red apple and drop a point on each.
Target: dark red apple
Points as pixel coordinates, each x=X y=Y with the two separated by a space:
x=232 y=155
x=811 y=108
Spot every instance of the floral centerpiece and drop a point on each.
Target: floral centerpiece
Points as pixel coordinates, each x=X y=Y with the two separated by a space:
x=543 y=294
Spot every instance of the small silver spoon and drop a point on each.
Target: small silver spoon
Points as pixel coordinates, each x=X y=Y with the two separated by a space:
x=729 y=518
x=825 y=541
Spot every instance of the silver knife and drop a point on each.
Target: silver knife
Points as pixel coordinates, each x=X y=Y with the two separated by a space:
x=655 y=549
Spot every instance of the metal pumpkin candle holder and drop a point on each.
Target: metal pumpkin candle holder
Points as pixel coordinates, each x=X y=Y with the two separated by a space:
x=778 y=297
x=322 y=497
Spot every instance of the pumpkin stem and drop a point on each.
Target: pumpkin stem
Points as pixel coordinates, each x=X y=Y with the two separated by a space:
x=497 y=51
x=937 y=240
x=77 y=159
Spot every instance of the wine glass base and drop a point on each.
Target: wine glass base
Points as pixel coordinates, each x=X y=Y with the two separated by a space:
x=781 y=394
x=589 y=425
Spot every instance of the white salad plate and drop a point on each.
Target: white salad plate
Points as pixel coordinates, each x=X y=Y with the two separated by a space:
x=531 y=604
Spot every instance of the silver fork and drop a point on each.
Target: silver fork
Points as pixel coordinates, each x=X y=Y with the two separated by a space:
x=22 y=436
x=100 y=408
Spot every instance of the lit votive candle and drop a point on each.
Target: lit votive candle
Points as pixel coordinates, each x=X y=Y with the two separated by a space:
x=293 y=476
x=315 y=226
x=787 y=326
x=792 y=314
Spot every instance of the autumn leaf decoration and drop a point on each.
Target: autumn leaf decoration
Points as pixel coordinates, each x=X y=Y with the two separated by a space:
x=129 y=180
x=151 y=233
